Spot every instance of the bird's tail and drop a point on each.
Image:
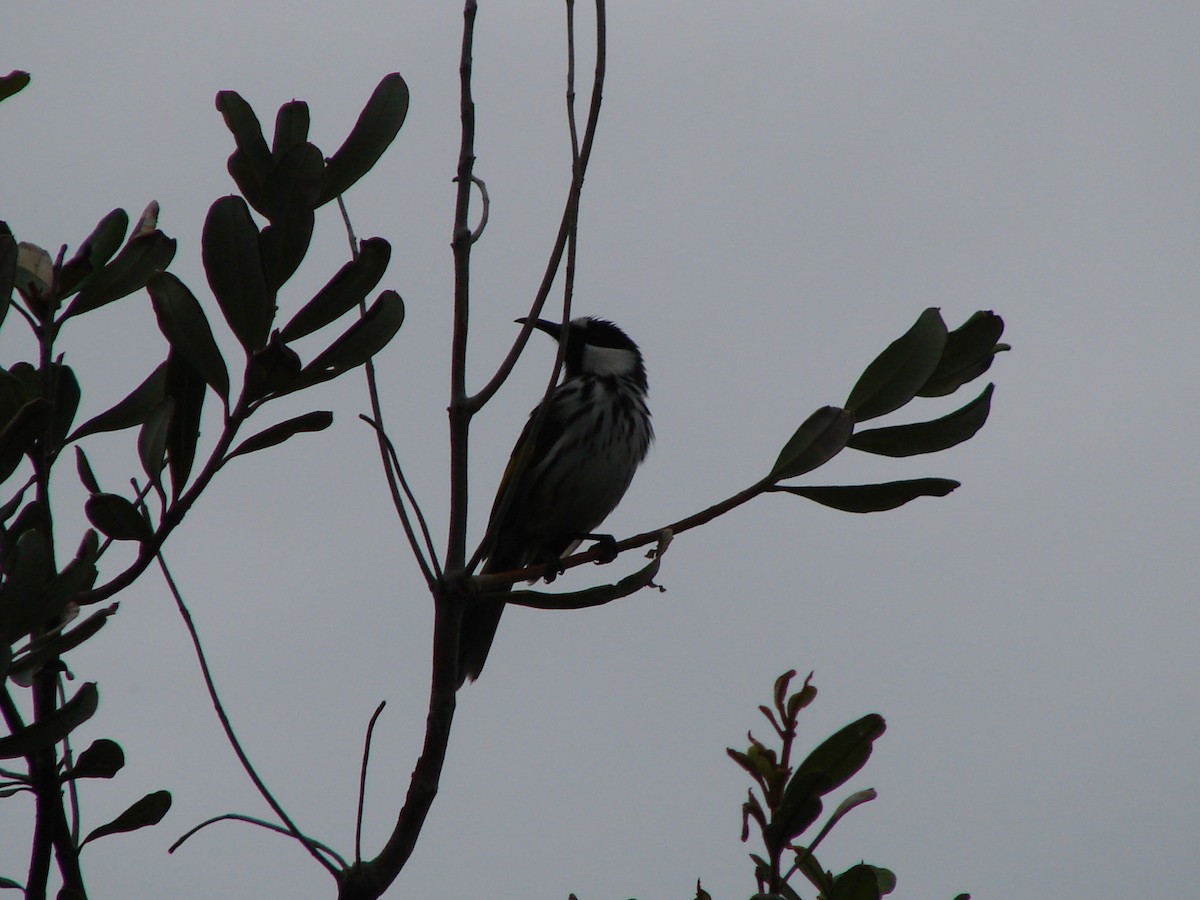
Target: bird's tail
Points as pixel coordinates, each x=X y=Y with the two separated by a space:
x=480 y=620
x=479 y=623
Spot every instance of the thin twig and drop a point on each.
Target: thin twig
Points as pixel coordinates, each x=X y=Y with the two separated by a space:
x=349 y=227
x=397 y=483
x=392 y=469
x=291 y=828
x=261 y=823
x=362 y=782
x=476 y=401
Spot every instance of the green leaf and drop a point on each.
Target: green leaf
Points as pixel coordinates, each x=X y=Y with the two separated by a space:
x=344 y=291
x=376 y=128
x=291 y=194
x=820 y=438
x=152 y=441
x=130 y=411
x=147 y=811
x=841 y=756
x=233 y=264
x=856 y=883
x=895 y=376
x=8 y=272
x=273 y=369
x=29 y=573
x=866 y=498
x=9 y=883
x=800 y=807
x=927 y=437
x=99 y=246
x=186 y=387
x=186 y=329
x=102 y=759
x=277 y=434
x=14 y=81
x=66 y=402
x=52 y=728
x=117 y=518
x=141 y=257
x=48 y=648
x=20 y=434
x=251 y=162
x=291 y=128
x=969 y=352
x=359 y=343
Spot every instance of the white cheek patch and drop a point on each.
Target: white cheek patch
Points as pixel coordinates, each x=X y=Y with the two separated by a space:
x=608 y=360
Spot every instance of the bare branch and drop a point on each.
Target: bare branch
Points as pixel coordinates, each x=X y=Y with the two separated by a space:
x=362 y=782
x=596 y=596
x=309 y=843
x=261 y=823
x=566 y=225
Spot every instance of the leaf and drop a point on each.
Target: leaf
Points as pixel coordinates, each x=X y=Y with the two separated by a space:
x=14 y=81
x=866 y=498
x=251 y=162
x=800 y=807
x=969 y=352
x=291 y=195
x=841 y=756
x=52 y=728
x=277 y=434
x=186 y=387
x=927 y=437
x=66 y=402
x=99 y=246
x=147 y=811
x=8 y=272
x=20 y=434
x=35 y=271
x=376 y=128
x=359 y=343
x=291 y=128
x=130 y=411
x=30 y=570
x=102 y=759
x=344 y=291
x=820 y=438
x=273 y=368
x=62 y=643
x=186 y=328
x=117 y=518
x=233 y=264
x=895 y=376
x=152 y=441
x=141 y=257
x=856 y=883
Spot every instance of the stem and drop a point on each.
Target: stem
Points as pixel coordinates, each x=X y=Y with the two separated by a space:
x=460 y=415
x=228 y=728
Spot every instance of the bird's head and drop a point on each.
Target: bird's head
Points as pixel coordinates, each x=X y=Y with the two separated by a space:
x=595 y=347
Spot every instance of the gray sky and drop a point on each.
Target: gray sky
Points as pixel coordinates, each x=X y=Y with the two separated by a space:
x=777 y=191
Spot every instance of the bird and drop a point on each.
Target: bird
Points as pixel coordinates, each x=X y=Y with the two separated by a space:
x=570 y=467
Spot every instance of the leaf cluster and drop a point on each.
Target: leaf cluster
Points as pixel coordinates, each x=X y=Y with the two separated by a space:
x=926 y=361
x=788 y=800
x=251 y=245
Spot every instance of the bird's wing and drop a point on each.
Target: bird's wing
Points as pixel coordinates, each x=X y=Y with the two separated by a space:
x=504 y=543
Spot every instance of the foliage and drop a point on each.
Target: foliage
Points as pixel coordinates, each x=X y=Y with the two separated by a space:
x=282 y=184
x=42 y=600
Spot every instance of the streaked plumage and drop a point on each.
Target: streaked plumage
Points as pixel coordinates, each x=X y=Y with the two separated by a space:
x=572 y=473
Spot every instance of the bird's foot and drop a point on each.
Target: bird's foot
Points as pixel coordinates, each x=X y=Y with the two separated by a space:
x=606 y=546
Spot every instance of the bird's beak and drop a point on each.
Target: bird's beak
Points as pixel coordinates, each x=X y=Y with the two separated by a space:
x=554 y=329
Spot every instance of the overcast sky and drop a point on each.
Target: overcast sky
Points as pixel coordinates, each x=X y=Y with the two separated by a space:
x=778 y=190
